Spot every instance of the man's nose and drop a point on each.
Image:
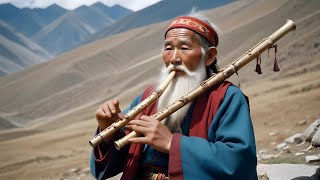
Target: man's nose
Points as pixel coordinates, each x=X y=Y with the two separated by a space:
x=175 y=60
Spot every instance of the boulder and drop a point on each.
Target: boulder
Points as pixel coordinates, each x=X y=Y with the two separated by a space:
x=311 y=130
x=316 y=139
x=311 y=159
x=295 y=139
x=287 y=171
x=281 y=146
x=302 y=122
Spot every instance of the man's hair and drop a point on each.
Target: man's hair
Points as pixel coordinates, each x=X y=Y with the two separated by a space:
x=203 y=41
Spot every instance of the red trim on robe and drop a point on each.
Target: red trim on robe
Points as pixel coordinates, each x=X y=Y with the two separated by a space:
x=100 y=155
x=132 y=162
x=175 y=170
x=205 y=108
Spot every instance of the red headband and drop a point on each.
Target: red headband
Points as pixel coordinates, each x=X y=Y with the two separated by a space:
x=196 y=25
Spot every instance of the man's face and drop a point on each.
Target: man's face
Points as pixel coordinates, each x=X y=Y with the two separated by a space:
x=182 y=47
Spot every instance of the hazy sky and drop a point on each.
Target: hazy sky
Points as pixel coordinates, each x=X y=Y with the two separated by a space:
x=134 y=5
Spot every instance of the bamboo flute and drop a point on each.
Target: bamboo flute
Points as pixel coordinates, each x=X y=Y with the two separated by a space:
x=227 y=71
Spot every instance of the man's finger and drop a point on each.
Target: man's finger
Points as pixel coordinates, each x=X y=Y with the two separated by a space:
x=128 y=127
x=139 y=140
x=139 y=123
x=112 y=107
x=101 y=113
x=116 y=103
x=139 y=129
x=106 y=110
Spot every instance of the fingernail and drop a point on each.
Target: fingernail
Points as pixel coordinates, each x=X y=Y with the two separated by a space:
x=113 y=111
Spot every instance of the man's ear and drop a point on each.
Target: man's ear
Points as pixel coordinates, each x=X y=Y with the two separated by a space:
x=211 y=56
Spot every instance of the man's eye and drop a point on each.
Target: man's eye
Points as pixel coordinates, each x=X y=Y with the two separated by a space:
x=167 y=48
x=185 y=48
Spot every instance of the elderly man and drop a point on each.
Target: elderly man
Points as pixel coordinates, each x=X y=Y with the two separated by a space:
x=210 y=138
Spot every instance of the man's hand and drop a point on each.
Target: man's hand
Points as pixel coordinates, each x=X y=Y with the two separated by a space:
x=108 y=113
x=154 y=133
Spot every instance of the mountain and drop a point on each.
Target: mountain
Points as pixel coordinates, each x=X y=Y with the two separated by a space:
x=17 y=51
x=17 y=18
x=71 y=29
x=95 y=18
x=115 y=12
x=54 y=29
x=36 y=18
x=45 y=16
x=63 y=34
x=158 y=12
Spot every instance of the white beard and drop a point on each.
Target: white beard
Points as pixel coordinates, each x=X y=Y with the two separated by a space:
x=179 y=87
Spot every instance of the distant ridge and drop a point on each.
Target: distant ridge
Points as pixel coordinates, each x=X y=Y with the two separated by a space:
x=54 y=28
x=35 y=18
x=74 y=27
x=115 y=12
x=161 y=11
x=17 y=51
x=4 y=124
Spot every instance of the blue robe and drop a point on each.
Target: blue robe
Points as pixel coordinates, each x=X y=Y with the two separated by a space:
x=224 y=149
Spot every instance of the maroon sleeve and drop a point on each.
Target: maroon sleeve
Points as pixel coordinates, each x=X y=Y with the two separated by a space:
x=102 y=151
x=175 y=162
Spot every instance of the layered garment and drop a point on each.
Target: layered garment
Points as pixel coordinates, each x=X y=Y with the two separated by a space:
x=217 y=142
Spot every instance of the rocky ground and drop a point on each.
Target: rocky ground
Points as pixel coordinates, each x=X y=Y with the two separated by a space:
x=77 y=174
x=297 y=156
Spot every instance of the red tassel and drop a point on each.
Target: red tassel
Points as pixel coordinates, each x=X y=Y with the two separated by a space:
x=258 y=66
x=275 y=65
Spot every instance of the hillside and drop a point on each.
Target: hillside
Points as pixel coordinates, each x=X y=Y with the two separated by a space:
x=54 y=102
x=158 y=12
x=52 y=29
x=115 y=12
x=63 y=34
x=36 y=18
x=17 y=51
x=73 y=28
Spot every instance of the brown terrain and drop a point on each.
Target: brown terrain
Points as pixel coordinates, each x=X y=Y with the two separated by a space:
x=52 y=105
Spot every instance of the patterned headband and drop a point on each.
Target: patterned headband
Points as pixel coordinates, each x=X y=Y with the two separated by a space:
x=196 y=25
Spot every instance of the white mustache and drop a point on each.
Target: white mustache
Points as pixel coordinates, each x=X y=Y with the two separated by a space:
x=182 y=68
